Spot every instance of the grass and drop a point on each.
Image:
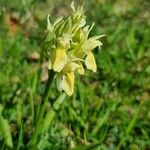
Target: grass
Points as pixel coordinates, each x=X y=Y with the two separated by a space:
x=109 y=109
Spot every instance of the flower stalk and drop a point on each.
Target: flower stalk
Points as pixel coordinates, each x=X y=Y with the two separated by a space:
x=42 y=108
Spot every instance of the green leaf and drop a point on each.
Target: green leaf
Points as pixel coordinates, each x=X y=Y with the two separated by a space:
x=5 y=129
x=87 y=147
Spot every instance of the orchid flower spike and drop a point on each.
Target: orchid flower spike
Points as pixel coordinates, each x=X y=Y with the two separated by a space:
x=69 y=46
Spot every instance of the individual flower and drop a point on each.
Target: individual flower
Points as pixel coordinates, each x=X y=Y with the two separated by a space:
x=68 y=46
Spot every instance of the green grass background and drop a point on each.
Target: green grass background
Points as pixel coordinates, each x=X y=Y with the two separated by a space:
x=110 y=109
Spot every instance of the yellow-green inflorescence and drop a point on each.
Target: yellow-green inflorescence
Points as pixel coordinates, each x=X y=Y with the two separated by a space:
x=68 y=46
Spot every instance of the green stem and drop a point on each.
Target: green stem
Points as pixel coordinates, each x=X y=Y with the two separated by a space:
x=48 y=86
x=42 y=109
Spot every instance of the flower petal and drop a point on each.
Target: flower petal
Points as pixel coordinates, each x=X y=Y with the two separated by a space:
x=90 y=44
x=73 y=66
x=70 y=67
x=59 y=59
x=59 y=79
x=67 y=83
x=80 y=69
x=64 y=41
x=90 y=62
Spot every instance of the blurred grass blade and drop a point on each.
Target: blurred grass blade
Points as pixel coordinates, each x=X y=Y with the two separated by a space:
x=20 y=139
x=76 y=117
x=51 y=114
x=19 y=111
x=102 y=120
x=87 y=147
x=5 y=129
x=131 y=125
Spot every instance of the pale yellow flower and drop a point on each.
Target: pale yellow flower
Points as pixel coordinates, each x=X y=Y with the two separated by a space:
x=68 y=47
x=58 y=59
x=90 y=62
x=66 y=82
